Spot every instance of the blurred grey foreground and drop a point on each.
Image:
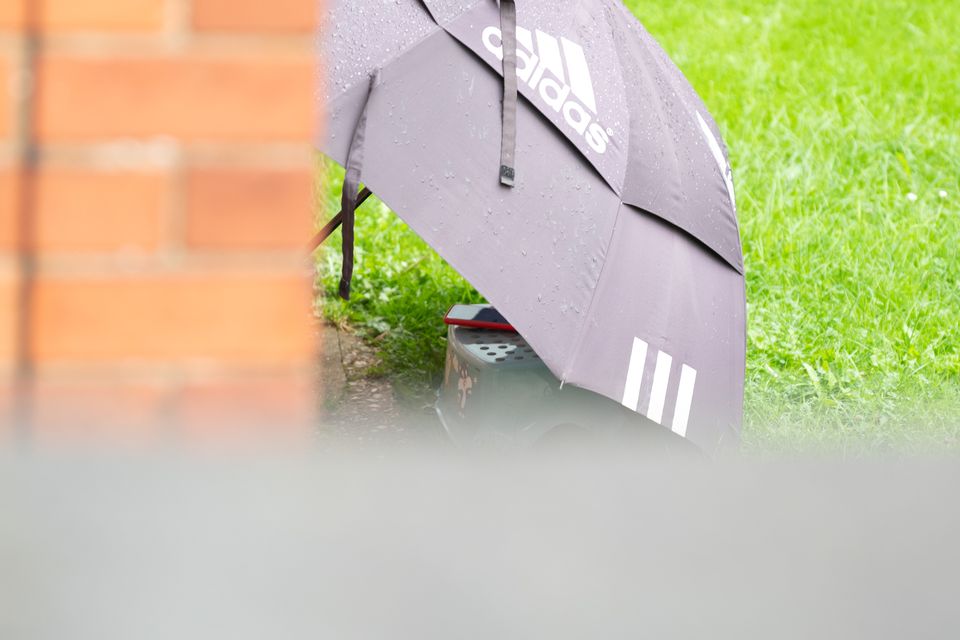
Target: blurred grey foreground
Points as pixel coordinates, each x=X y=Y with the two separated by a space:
x=442 y=545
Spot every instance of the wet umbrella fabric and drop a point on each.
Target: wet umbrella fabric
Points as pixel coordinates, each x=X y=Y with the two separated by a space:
x=616 y=251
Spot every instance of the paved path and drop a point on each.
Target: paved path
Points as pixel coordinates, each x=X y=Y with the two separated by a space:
x=360 y=409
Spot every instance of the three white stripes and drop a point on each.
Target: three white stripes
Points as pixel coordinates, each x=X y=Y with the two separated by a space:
x=658 y=392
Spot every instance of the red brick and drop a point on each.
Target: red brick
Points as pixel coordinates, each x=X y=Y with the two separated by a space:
x=277 y=409
x=9 y=205
x=193 y=98
x=298 y=16
x=227 y=318
x=271 y=410
x=7 y=109
x=102 y=413
x=100 y=15
x=8 y=426
x=81 y=211
x=12 y=13
x=9 y=291
x=252 y=209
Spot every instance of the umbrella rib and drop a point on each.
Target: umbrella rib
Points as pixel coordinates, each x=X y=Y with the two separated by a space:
x=336 y=221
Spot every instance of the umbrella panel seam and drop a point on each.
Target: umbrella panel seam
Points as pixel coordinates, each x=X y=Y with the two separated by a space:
x=581 y=333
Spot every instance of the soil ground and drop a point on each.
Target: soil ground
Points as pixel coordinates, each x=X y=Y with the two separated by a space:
x=360 y=408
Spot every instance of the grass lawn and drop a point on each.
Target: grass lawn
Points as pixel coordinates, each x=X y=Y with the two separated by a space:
x=842 y=121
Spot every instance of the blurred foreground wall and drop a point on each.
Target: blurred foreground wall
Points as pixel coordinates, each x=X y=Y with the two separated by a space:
x=155 y=201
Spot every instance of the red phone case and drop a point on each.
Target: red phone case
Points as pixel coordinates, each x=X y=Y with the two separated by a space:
x=476 y=324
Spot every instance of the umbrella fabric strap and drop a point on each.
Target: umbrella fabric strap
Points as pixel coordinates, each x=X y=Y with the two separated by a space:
x=336 y=221
x=351 y=183
x=508 y=143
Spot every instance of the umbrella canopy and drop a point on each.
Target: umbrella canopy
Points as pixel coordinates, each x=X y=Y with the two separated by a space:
x=597 y=212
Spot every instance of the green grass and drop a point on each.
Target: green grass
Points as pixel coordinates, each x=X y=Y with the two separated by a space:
x=835 y=113
x=401 y=288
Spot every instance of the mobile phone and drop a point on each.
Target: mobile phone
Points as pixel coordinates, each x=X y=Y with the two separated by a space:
x=477 y=316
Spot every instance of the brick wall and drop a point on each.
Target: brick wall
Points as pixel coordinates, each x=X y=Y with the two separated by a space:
x=155 y=200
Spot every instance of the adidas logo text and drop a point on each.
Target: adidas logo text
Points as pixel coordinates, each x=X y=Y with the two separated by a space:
x=557 y=70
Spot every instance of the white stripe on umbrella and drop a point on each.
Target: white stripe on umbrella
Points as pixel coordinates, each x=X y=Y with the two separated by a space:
x=718 y=156
x=658 y=395
x=688 y=380
x=638 y=359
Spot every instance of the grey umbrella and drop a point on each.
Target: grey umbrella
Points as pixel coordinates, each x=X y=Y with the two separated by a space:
x=596 y=212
